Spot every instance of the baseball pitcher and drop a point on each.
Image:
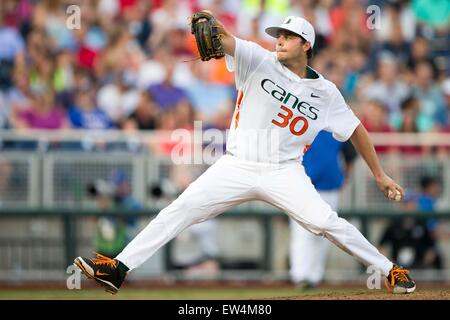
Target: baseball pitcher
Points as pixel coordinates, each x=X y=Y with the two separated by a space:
x=281 y=106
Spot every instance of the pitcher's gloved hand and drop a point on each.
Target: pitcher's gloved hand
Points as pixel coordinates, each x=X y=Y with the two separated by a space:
x=207 y=35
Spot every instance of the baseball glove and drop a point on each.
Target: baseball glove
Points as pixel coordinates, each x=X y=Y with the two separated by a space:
x=207 y=35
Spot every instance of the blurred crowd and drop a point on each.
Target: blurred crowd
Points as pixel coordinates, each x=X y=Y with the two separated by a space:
x=130 y=64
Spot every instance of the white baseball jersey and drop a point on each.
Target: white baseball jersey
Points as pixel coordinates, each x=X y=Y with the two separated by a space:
x=278 y=114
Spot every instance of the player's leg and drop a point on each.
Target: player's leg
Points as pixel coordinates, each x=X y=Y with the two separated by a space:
x=224 y=185
x=206 y=236
x=301 y=254
x=322 y=245
x=292 y=191
x=308 y=252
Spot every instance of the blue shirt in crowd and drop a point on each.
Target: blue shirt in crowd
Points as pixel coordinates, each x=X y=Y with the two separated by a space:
x=427 y=204
x=11 y=43
x=323 y=163
x=95 y=119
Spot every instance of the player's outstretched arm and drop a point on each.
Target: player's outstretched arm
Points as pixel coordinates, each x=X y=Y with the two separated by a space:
x=227 y=39
x=361 y=140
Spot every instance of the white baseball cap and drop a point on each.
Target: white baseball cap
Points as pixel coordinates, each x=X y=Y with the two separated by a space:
x=296 y=25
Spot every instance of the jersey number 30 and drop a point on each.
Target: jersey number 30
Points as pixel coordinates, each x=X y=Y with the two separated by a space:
x=286 y=117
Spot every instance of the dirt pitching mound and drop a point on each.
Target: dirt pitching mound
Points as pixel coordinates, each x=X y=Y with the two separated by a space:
x=425 y=294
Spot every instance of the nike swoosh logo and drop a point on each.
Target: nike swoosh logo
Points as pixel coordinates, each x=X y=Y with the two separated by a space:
x=304 y=33
x=98 y=273
x=314 y=96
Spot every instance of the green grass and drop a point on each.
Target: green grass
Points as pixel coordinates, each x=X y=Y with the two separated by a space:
x=154 y=294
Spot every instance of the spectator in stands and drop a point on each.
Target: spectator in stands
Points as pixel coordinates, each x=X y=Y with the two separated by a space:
x=92 y=42
x=144 y=117
x=171 y=15
x=444 y=151
x=429 y=94
x=255 y=36
x=113 y=58
x=417 y=240
x=110 y=10
x=349 y=25
x=269 y=12
x=50 y=15
x=124 y=199
x=119 y=98
x=409 y=239
x=63 y=76
x=430 y=191
x=17 y=14
x=37 y=44
x=166 y=94
x=20 y=93
x=222 y=118
x=446 y=92
x=388 y=87
x=420 y=51
x=12 y=52
x=4 y=113
x=357 y=68
x=374 y=116
x=336 y=72
x=395 y=31
x=42 y=113
x=225 y=10
x=317 y=13
x=410 y=122
x=397 y=16
x=84 y=114
x=185 y=115
x=177 y=42
x=15 y=100
x=81 y=79
x=111 y=236
x=207 y=105
x=434 y=14
x=41 y=72
x=163 y=144
x=135 y=16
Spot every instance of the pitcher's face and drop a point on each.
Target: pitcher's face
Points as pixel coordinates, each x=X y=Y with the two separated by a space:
x=290 y=47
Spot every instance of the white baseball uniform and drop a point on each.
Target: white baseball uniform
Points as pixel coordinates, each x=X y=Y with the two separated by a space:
x=277 y=115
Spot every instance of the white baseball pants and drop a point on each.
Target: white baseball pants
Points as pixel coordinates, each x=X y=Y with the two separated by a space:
x=231 y=181
x=307 y=251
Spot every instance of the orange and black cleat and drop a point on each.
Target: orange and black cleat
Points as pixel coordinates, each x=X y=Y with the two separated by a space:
x=104 y=270
x=399 y=281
